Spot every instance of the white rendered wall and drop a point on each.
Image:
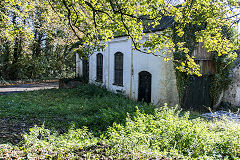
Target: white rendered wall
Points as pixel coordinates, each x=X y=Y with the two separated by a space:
x=164 y=88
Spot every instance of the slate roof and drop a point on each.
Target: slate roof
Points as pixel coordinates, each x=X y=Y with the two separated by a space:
x=165 y=22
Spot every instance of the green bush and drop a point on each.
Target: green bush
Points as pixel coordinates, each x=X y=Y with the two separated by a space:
x=167 y=134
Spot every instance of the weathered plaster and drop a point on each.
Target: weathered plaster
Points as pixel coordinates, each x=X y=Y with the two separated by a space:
x=232 y=95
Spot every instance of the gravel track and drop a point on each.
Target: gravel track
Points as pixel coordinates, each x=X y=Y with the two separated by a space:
x=27 y=87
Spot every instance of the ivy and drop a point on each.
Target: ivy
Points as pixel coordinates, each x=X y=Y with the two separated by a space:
x=222 y=78
x=180 y=57
x=223 y=64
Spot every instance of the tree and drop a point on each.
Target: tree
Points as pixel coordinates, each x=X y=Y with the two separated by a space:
x=95 y=20
x=90 y=21
x=31 y=46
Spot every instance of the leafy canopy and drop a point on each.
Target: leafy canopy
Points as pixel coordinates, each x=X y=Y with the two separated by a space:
x=91 y=21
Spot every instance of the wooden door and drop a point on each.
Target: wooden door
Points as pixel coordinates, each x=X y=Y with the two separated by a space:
x=197 y=94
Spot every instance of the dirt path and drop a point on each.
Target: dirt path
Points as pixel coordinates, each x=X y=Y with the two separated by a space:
x=27 y=87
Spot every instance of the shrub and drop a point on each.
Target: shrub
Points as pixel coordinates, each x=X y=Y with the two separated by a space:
x=167 y=134
x=40 y=142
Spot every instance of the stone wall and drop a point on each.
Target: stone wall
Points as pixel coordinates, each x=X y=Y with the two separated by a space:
x=232 y=95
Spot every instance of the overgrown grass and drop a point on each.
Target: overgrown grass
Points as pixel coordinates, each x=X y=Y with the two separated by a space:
x=161 y=134
x=59 y=109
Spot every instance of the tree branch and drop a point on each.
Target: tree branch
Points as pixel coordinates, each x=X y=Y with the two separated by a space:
x=69 y=19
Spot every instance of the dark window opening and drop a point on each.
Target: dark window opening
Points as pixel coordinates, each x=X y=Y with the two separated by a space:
x=86 y=69
x=118 y=69
x=99 y=67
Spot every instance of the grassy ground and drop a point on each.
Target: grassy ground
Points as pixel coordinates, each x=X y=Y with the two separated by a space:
x=60 y=109
x=110 y=133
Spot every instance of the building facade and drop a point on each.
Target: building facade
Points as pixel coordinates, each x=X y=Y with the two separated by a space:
x=140 y=76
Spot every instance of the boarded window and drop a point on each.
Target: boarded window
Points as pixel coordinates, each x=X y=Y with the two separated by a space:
x=118 y=68
x=206 y=66
x=200 y=53
x=204 y=59
x=99 y=67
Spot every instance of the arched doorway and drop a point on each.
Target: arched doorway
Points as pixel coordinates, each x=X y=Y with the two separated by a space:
x=144 y=86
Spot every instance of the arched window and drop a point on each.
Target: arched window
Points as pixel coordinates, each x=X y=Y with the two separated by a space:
x=85 y=69
x=118 y=68
x=99 y=67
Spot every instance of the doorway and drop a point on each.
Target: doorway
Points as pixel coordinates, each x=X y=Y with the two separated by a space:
x=144 y=86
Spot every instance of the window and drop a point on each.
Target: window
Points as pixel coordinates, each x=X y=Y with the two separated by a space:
x=85 y=69
x=118 y=68
x=99 y=67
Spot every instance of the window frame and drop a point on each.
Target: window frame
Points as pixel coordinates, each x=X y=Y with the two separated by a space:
x=118 y=68
x=99 y=67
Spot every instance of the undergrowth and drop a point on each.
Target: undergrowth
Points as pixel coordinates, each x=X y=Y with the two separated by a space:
x=163 y=134
x=143 y=134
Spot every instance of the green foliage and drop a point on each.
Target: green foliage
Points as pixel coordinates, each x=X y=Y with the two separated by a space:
x=183 y=53
x=48 y=144
x=222 y=78
x=31 y=46
x=223 y=67
x=93 y=21
x=106 y=18
x=167 y=134
x=50 y=64
x=223 y=63
x=163 y=134
x=189 y=41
